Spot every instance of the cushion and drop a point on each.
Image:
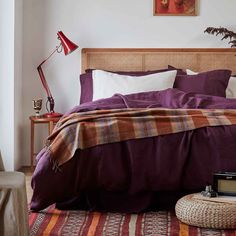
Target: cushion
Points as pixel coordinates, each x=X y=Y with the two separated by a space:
x=106 y=84
x=209 y=83
x=86 y=81
x=231 y=88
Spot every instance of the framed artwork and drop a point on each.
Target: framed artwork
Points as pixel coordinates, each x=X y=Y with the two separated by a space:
x=174 y=7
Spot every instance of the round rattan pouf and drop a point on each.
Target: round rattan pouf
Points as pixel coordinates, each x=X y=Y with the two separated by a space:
x=204 y=213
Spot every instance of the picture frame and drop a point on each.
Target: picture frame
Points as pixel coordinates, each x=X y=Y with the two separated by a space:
x=174 y=7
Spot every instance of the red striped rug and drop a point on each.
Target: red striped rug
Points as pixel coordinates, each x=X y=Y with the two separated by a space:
x=55 y=222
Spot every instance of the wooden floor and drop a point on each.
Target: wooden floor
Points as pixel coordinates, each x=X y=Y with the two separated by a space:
x=28 y=175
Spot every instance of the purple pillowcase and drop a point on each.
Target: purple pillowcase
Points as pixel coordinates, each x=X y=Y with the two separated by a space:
x=179 y=71
x=86 y=81
x=209 y=83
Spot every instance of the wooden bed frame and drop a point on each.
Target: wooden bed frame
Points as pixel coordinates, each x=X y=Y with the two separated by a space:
x=143 y=59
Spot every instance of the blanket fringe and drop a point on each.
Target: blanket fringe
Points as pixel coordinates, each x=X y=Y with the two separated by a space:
x=55 y=163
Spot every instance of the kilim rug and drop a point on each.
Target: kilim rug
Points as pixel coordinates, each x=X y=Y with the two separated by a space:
x=69 y=223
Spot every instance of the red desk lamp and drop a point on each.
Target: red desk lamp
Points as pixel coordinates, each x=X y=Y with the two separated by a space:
x=68 y=47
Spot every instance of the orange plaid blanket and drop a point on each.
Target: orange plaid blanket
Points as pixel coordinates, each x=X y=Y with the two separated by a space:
x=88 y=129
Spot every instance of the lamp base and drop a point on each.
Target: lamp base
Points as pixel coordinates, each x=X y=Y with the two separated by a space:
x=52 y=115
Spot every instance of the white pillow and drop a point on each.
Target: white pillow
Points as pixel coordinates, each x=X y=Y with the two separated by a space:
x=106 y=84
x=190 y=72
x=231 y=88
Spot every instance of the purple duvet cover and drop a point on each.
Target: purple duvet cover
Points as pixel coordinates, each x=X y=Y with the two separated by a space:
x=136 y=175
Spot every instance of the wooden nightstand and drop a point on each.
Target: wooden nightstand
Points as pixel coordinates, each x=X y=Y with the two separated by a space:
x=39 y=120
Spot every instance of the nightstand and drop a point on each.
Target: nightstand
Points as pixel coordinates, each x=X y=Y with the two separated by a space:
x=39 y=120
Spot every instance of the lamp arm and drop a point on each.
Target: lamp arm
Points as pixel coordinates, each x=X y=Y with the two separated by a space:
x=57 y=49
x=46 y=87
x=44 y=82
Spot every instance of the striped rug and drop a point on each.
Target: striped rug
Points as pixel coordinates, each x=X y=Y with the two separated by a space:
x=69 y=223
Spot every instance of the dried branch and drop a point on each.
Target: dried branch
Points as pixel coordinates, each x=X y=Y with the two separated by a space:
x=227 y=34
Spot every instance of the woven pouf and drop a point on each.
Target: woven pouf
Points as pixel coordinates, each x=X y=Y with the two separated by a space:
x=204 y=213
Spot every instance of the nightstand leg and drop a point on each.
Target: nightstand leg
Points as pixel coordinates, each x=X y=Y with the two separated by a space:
x=32 y=145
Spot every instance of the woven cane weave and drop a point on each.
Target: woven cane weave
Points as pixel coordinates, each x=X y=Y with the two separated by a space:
x=207 y=214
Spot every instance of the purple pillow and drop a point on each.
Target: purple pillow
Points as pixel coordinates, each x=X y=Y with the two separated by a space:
x=86 y=82
x=209 y=83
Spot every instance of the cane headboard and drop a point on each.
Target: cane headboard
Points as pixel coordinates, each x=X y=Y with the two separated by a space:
x=143 y=59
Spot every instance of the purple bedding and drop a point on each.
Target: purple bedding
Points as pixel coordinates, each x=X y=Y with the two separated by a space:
x=137 y=175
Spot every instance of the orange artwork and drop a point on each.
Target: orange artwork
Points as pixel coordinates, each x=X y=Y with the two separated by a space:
x=175 y=7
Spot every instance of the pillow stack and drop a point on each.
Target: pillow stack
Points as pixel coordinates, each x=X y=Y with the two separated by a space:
x=98 y=84
x=87 y=81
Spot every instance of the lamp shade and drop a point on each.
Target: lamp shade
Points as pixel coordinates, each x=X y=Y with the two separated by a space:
x=67 y=45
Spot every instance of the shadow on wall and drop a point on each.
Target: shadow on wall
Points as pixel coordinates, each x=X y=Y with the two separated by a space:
x=1 y=163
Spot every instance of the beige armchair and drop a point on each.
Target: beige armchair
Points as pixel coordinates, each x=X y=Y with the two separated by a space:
x=13 y=204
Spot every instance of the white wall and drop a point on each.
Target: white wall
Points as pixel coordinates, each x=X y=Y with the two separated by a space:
x=18 y=108
x=7 y=83
x=103 y=23
x=10 y=81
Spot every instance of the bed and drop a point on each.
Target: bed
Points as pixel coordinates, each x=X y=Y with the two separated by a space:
x=147 y=168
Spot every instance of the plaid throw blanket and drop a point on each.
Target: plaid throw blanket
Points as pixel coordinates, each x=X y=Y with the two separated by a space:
x=88 y=129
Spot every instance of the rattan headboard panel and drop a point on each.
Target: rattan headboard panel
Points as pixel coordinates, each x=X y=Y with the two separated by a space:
x=143 y=59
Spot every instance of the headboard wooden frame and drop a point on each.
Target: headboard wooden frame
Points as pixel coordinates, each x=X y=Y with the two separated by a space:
x=143 y=59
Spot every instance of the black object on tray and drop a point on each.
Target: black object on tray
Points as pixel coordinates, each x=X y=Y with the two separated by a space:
x=225 y=183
